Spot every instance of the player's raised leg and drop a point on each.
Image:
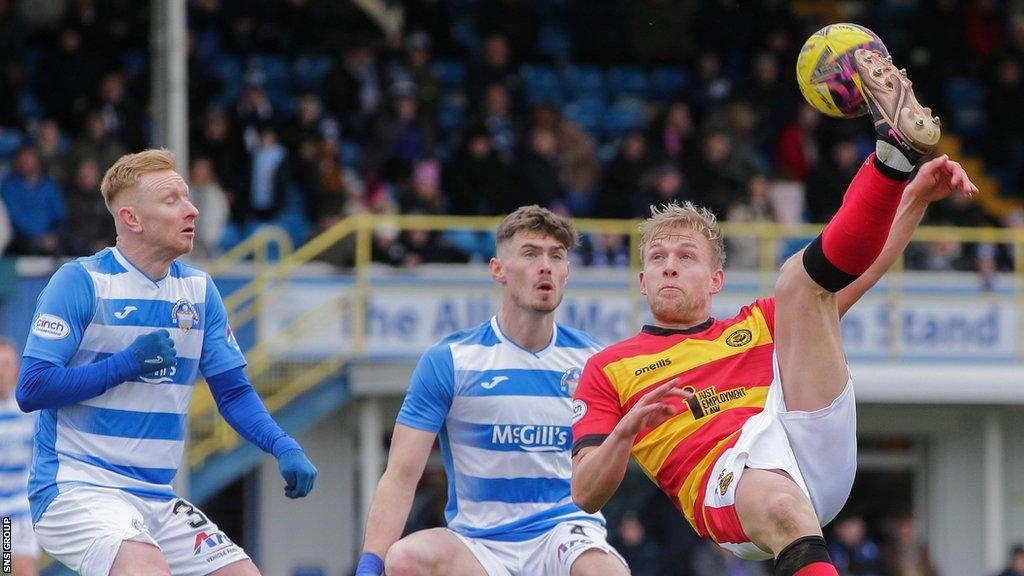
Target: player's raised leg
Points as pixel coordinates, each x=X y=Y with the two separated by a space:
x=807 y=334
x=431 y=553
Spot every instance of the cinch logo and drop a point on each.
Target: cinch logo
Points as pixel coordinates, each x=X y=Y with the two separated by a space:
x=207 y=542
x=650 y=367
x=50 y=327
x=531 y=438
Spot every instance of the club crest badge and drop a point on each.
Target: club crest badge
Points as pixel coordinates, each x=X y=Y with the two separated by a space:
x=184 y=314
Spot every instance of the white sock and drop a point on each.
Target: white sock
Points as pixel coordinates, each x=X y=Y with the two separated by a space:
x=892 y=157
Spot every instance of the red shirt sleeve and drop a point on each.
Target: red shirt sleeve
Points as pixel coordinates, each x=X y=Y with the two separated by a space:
x=596 y=407
x=767 y=306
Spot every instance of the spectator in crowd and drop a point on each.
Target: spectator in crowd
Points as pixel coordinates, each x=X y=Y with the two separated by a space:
x=797 y=150
x=721 y=177
x=354 y=89
x=419 y=67
x=852 y=551
x=310 y=124
x=67 y=78
x=253 y=111
x=399 y=136
x=212 y=203
x=673 y=136
x=93 y=229
x=216 y=141
x=623 y=179
x=477 y=181
x=577 y=159
x=642 y=555
x=332 y=192
x=495 y=67
x=607 y=250
x=54 y=150
x=1016 y=566
x=539 y=172
x=120 y=114
x=826 y=182
x=96 y=143
x=35 y=205
x=269 y=178
x=496 y=116
x=1003 y=143
x=663 y=184
x=745 y=251
x=512 y=21
x=904 y=554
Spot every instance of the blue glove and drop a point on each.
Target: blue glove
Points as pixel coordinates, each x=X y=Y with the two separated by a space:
x=298 y=472
x=369 y=565
x=154 y=351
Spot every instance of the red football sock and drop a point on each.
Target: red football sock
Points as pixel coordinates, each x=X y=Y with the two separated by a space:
x=818 y=569
x=854 y=238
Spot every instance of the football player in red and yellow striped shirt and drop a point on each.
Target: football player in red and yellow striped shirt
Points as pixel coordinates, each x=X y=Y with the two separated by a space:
x=747 y=423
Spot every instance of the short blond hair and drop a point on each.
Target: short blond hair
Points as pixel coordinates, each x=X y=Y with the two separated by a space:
x=686 y=215
x=534 y=218
x=125 y=174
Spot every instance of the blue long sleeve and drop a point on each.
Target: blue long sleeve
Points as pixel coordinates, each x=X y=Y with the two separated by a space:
x=242 y=408
x=43 y=384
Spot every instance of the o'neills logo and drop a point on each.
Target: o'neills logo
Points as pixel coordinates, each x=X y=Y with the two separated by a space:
x=651 y=367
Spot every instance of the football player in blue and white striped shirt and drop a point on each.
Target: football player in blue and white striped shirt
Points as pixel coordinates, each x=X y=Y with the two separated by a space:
x=499 y=398
x=117 y=341
x=16 y=430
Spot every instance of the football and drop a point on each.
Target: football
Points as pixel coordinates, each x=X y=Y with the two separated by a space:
x=825 y=71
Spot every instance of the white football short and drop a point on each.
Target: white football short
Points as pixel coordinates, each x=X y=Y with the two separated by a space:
x=550 y=554
x=84 y=528
x=817 y=449
x=23 y=539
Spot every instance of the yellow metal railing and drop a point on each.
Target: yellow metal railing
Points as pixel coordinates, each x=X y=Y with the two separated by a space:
x=280 y=380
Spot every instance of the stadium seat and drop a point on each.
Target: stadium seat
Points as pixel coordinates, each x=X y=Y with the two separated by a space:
x=587 y=112
x=667 y=83
x=555 y=43
x=451 y=115
x=627 y=81
x=584 y=81
x=228 y=68
x=10 y=141
x=310 y=71
x=134 y=63
x=451 y=74
x=349 y=153
x=964 y=92
x=274 y=66
x=623 y=116
x=542 y=83
x=29 y=106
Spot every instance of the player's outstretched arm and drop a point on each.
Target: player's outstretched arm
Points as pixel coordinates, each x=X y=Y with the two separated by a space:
x=242 y=408
x=936 y=179
x=393 y=499
x=597 y=471
x=45 y=385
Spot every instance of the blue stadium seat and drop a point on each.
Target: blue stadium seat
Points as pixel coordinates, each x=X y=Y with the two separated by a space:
x=587 y=112
x=349 y=153
x=10 y=141
x=627 y=81
x=29 y=106
x=309 y=72
x=451 y=115
x=667 y=83
x=555 y=42
x=542 y=84
x=134 y=63
x=584 y=81
x=274 y=66
x=623 y=116
x=228 y=68
x=964 y=93
x=451 y=74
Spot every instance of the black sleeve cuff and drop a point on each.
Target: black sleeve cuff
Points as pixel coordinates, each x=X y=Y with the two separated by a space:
x=590 y=440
